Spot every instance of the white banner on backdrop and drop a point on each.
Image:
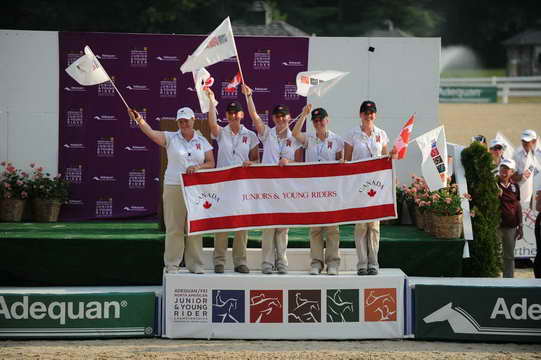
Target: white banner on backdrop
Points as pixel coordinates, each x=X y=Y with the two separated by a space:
x=297 y=195
x=296 y=306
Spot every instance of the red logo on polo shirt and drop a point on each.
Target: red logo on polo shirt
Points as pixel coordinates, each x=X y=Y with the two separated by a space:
x=244 y=139
x=198 y=146
x=378 y=138
x=288 y=142
x=329 y=145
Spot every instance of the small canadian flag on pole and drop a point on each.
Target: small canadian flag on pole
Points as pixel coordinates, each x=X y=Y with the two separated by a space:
x=401 y=143
x=237 y=79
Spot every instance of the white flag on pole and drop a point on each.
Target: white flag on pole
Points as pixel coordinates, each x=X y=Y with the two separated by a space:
x=87 y=70
x=317 y=82
x=434 y=162
x=203 y=81
x=218 y=46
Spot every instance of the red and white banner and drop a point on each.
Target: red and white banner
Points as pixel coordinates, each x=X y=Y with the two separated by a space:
x=303 y=194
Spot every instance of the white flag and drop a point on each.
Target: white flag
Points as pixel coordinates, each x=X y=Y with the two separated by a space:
x=434 y=163
x=203 y=80
x=87 y=70
x=218 y=46
x=317 y=82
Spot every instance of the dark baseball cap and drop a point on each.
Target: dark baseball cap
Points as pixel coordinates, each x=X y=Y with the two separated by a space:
x=319 y=113
x=233 y=107
x=368 y=106
x=280 y=109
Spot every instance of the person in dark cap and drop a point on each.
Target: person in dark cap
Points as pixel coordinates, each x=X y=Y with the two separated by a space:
x=364 y=142
x=321 y=145
x=279 y=148
x=237 y=145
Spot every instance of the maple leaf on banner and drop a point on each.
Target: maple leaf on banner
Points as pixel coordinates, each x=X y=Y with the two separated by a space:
x=371 y=193
x=207 y=205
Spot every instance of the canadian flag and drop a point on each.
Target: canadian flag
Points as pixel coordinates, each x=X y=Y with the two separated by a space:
x=237 y=79
x=401 y=143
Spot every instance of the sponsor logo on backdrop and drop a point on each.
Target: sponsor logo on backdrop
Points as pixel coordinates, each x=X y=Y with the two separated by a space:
x=104 y=178
x=74 y=118
x=165 y=118
x=75 y=89
x=262 y=59
x=232 y=59
x=227 y=306
x=261 y=90
x=136 y=148
x=190 y=305
x=75 y=202
x=167 y=58
x=228 y=93
x=74 y=146
x=136 y=179
x=139 y=57
x=104 y=207
x=135 y=87
x=200 y=116
x=133 y=208
x=72 y=56
x=342 y=305
x=168 y=87
x=104 y=117
x=292 y=63
x=105 y=147
x=371 y=187
x=290 y=92
x=380 y=304
x=74 y=174
x=60 y=311
x=304 y=306
x=462 y=322
x=106 y=88
x=266 y=306
x=107 y=57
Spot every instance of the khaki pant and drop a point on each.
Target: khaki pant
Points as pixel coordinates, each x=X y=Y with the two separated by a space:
x=177 y=244
x=331 y=255
x=239 y=248
x=367 y=244
x=508 y=246
x=273 y=248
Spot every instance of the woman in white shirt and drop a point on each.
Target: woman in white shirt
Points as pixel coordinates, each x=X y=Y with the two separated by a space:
x=187 y=152
x=279 y=148
x=323 y=145
x=236 y=146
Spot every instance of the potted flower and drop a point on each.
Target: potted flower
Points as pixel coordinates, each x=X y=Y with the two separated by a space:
x=447 y=211
x=14 y=191
x=48 y=194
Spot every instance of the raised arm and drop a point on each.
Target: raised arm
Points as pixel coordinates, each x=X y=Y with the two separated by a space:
x=213 y=124
x=259 y=125
x=300 y=122
x=157 y=136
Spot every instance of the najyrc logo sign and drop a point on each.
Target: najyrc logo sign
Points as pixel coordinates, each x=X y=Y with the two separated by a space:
x=342 y=305
x=478 y=313
x=304 y=306
x=80 y=315
x=74 y=118
x=266 y=306
x=191 y=305
x=227 y=306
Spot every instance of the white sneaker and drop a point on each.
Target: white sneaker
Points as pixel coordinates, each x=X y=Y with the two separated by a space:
x=171 y=269
x=332 y=270
x=197 y=270
x=315 y=270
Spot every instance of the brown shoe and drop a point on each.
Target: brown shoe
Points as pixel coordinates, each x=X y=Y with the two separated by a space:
x=219 y=269
x=243 y=269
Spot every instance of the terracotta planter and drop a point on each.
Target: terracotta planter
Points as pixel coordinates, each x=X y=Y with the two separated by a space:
x=419 y=219
x=11 y=210
x=448 y=227
x=45 y=210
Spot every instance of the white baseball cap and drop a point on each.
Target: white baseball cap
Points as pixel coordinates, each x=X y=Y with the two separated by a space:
x=509 y=163
x=185 y=113
x=495 y=142
x=528 y=135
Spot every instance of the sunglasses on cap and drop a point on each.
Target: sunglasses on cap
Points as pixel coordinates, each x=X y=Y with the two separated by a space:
x=497 y=147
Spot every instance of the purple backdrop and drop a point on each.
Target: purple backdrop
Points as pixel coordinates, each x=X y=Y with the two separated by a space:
x=113 y=166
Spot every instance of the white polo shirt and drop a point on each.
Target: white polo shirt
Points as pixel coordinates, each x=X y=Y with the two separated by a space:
x=234 y=149
x=182 y=154
x=365 y=146
x=322 y=150
x=275 y=148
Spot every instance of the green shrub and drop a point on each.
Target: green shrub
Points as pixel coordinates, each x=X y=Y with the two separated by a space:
x=485 y=249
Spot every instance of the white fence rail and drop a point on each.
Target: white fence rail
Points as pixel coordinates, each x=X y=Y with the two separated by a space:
x=519 y=86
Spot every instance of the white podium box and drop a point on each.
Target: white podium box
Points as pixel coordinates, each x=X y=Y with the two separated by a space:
x=293 y=306
x=298 y=258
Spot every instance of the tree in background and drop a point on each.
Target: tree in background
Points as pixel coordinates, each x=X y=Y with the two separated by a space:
x=485 y=249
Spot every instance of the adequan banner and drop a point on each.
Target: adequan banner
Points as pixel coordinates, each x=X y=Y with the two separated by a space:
x=478 y=313
x=295 y=195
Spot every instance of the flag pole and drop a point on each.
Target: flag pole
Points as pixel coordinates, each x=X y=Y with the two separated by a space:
x=118 y=92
